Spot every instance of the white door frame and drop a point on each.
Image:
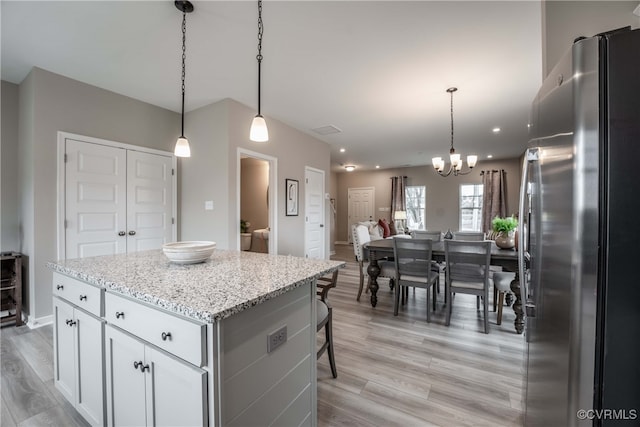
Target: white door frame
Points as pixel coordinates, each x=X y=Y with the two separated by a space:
x=306 y=209
x=273 y=196
x=61 y=191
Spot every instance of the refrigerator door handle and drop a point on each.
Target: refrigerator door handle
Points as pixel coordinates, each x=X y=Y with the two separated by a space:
x=530 y=310
x=531 y=155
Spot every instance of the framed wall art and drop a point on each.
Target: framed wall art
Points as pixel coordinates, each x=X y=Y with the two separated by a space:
x=291 y=197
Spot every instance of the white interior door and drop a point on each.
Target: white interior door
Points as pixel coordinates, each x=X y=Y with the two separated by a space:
x=314 y=213
x=361 y=206
x=149 y=201
x=95 y=199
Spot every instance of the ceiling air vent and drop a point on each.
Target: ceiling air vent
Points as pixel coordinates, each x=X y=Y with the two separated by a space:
x=326 y=130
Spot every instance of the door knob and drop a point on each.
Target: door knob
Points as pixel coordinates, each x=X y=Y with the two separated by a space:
x=166 y=336
x=321 y=225
x=132 y=233
x=119 y=314
x=121 y=233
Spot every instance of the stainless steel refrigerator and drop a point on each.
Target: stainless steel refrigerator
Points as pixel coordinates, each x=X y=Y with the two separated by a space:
x=580 y=208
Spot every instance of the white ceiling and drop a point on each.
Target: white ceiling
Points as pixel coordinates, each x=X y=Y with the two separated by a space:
x=376 y=70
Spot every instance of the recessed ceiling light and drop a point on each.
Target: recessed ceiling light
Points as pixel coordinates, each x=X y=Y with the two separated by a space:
x=489 y=156
x=350 y=168
x=496 y=130
x=377 y=166
x=342 y=150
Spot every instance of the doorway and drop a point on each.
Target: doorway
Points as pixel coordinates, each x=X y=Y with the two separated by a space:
x=361 y=206
x=257 y=204
x=314 y=235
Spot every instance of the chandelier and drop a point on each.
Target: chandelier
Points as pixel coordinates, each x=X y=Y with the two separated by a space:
x=456 y=162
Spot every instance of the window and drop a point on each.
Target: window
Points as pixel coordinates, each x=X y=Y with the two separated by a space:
x=471 y=207
x=415 y=198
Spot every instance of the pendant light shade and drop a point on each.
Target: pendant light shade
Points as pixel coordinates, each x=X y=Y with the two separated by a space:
x=182 y=148
x=259 y=131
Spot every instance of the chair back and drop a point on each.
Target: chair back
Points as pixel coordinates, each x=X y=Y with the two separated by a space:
x=360 y=236
x=468 y=261
x=412 y=258
x=435 y=236
x=468 y=235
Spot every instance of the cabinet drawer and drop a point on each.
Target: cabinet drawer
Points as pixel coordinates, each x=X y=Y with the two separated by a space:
x=182 y=337
x=79 y=293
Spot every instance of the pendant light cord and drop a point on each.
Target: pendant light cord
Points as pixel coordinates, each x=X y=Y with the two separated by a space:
x=452 y=150
x=184 y=57
x=259 y=56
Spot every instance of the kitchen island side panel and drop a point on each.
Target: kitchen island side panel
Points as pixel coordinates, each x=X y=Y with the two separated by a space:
x=259 y=387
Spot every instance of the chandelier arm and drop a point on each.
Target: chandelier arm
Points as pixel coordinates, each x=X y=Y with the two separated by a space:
x=452 y=150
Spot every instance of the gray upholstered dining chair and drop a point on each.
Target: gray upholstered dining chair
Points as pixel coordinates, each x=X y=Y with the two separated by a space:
x=434 y=236
x=360 y=236
x=467 y=264
x=324 y=318
x=468 y=235
x=412 y=259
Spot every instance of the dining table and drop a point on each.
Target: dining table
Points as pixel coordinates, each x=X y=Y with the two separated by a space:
x=505 y=258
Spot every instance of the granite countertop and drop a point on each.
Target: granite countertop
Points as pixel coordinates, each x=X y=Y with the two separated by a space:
x=227 y=283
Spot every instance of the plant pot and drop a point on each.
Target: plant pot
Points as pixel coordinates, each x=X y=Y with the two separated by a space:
x=506 y=239
x=245 y=241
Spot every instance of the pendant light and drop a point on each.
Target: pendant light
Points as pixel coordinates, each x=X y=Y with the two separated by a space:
x=456 y=161
x=182 y=145
x=259 y=131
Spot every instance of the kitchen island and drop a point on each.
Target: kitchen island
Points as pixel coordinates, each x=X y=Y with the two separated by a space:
x=231 y=341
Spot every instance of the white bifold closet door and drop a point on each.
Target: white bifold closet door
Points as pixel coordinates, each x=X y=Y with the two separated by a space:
x=116 y=200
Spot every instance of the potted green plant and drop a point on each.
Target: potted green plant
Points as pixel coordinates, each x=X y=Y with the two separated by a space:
x=506 y=229
x=244 y=226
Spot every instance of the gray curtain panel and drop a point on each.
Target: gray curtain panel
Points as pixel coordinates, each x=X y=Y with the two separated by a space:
x=493 y=197
x=398 y=184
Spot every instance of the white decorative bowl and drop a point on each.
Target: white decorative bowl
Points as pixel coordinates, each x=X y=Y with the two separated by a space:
x=188 y=252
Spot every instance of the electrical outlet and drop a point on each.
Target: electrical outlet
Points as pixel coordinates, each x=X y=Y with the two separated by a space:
x=276 y=339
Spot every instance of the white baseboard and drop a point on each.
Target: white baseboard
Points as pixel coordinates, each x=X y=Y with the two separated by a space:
x=332 y=253
x=40 y=322
x=341 y=242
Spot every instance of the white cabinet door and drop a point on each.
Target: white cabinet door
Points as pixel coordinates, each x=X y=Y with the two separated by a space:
x=125 y=383
x=178 y=390
x=95 y=199
x=90 y=401
x=64 y=354
x=149 y=201
x=116 y=200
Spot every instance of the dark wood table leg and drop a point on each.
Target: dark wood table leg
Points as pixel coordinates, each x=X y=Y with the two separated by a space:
x=517 y=304
x=373 y=270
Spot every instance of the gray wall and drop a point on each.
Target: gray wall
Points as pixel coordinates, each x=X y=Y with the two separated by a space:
x=442 y=204
x=50 y=103
x=204 y=176
x=564 y=21
x=215 y=133
x=294 y=150
x=10 y=201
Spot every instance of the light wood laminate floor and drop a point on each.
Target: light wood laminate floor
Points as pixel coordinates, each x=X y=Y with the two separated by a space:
x=392 y=371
